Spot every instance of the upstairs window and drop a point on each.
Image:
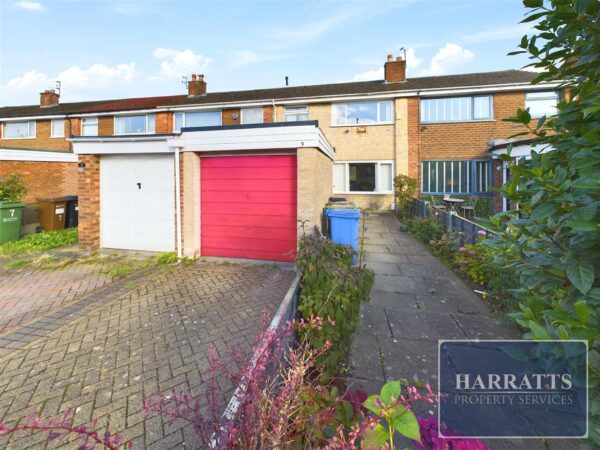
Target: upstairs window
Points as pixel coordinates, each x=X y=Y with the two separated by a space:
x=89 y=126
x=141 y=124
x=252 y=115
x=457 y=109
x=197 y=119
x=363 y=113
x=541 y=103
x=57 y=128
x=19 y=130
x=456 y=177
x=296 y=113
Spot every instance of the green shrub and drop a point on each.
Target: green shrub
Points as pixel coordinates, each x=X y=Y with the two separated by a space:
x=331 y=288
x=40 y=242
x=12 y=188
x=426 y=230
x=405 y=189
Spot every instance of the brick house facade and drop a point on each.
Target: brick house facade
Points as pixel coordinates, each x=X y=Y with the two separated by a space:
x=426 y=127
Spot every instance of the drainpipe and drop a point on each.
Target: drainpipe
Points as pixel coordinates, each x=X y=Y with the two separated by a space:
x=178 y=202
x=274 y=111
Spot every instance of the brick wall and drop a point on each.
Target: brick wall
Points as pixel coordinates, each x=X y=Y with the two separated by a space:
x=267 y=114
x=190 y=203
x=42 y=140
x=164 y=123
x=227 y=116
x=43 y=178
x=314 y=186
x=106 y=126
x=89 y=202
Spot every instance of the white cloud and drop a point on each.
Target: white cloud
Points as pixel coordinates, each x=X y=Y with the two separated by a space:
x=375 y=74
x=77 y=83
x=447 y=58
x=30 y=6
x=179 y=63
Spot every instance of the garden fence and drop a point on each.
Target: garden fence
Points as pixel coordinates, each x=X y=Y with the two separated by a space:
x=468 y=231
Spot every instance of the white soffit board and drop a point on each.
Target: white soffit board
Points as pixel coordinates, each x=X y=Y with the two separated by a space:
x=112 y=147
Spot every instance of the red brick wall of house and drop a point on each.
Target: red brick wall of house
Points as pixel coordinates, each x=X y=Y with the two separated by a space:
x=89 y=202
x=43 y=178
x=164 y=123
x=106 y=125
x=413 y=138
x=267 y=114
x=469 y=140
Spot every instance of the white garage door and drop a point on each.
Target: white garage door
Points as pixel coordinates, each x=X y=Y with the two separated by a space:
x=137 y=202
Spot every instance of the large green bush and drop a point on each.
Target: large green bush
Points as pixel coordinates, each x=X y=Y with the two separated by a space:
x=426 y=230
x=12 y=188
x=554 y=238
x=332 y=288
x=405 y=189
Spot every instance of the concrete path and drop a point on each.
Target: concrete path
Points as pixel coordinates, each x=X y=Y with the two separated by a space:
x=415 y=301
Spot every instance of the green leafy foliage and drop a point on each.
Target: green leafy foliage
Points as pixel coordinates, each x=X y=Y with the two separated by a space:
x=405 y=189
x=426 y=230
x=398 y=419
x=555 y=236
x=12 y=188
x=40 y=242
x=331 y=288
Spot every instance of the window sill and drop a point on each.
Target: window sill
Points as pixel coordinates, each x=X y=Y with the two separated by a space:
x=17 y=138
x=457 y=121
x=362 y=192
x=362 y=125
x=133 y=134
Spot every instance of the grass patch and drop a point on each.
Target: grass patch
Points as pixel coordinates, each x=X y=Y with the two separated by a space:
x=118 y=272
x=40 y=242
x=18 y=263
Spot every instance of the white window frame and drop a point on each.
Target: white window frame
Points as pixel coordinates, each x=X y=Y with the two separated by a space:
x=252 y=123
x=485 y=177
x=299 y=109
x=185 y=113
x=85 y=119
x=378 y=164
x=379 y=121
x=52 y=122
x=29 y=127
x=550 y=95
x=472 y=119
x=147 y=116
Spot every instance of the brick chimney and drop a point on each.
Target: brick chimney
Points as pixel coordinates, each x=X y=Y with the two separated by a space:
x=395 y=71
x=49 y=98
x=197 y=85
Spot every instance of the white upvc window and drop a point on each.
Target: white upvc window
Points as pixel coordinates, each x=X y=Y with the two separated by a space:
x=89 y=126
x=296 y=113
x=363 y=177
x=252 y=115
x=57 y=128
x=457 y=109
x=19 y=130
x=138 y=124
x=362 y=113
x=541 y=103
x=456 y=177
x=197 y=119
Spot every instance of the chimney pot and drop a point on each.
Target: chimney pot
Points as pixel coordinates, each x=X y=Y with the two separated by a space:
x=399 y=58
x=193 y=77
x=390 y=57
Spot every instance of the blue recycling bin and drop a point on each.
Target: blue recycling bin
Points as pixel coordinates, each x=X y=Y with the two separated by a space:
x=344 y=226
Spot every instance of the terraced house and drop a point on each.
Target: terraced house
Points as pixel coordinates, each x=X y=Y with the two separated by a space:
x=242 y=173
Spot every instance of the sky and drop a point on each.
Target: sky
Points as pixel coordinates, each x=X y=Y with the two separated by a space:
x=118 y=48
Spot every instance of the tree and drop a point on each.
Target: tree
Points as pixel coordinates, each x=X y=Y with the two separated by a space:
x=554 y=238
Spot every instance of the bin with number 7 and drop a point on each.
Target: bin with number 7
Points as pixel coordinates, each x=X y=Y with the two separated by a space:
x=11 y=214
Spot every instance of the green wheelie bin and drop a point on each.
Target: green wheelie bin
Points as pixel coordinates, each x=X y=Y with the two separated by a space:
x=11 y=214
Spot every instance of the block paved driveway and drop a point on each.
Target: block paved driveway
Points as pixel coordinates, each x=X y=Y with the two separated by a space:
x=146 y=334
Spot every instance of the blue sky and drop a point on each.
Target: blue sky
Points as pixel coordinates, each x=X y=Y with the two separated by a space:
x=114 y=49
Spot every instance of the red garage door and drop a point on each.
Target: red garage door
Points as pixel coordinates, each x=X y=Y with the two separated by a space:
x=248 y=207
